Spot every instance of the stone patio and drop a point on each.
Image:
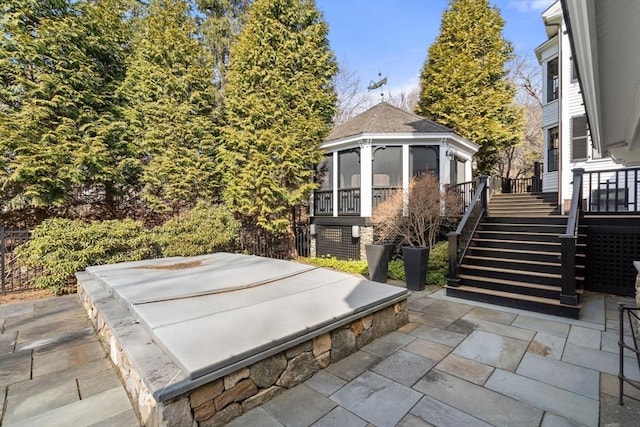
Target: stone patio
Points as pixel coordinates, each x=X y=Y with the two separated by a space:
x=454 y=364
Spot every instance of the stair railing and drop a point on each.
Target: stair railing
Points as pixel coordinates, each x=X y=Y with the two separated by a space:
x=459 y=240
x=634 y=320
x=569 y=241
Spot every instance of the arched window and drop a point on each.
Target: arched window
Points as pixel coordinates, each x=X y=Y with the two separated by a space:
x=387 y=167
x=324 y=173
x=423 y=159
x=349 y=168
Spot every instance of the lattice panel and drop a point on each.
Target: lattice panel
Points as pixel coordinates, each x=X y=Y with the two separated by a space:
x=610 y=255
x=337 y=242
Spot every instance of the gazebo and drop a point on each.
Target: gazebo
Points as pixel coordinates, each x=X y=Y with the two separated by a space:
x=368 y=158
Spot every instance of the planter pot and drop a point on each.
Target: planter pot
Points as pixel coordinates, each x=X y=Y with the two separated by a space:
x=415 y=267
x=378 y=261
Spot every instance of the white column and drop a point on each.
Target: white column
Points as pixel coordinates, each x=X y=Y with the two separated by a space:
x=336 y=178
x=406 y=178
x=366 y=174
x=445 y=165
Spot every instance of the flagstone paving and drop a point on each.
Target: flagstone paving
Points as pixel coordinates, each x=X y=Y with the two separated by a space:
x=456 y=363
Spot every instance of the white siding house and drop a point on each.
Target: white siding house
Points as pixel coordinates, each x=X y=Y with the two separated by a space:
x=567 y=143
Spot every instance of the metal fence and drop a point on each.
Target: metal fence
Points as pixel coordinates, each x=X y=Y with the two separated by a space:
x=15 y=275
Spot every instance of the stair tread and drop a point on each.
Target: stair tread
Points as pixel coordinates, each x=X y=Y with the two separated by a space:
x=519 y=251
x=515 y=241
x=520 y=241
x=517 y=261
x=513 y=282
x=512 y=271
x=514 y=296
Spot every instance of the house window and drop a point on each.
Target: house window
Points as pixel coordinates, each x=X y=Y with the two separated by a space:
x=574 y=72
x=387 y=167
x=349 y=168
x=457 y=171
x=553 y=139
x=324 y=173
x=552 y=80
x=423 y=159
x=578 y=138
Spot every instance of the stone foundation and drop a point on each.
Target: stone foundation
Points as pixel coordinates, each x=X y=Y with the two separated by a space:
x=223 y=399
x=366 y=238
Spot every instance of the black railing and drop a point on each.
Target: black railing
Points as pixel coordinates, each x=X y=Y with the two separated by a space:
x=569 y=242
x=459 y=240
x=349 y=201
x=15 y=276
x=380 y=194
x=465 y=191
x=521 y=185
x=612 y=191
x=323 y=203
x=632 y=317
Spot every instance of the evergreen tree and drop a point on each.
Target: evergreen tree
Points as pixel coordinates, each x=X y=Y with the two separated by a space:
x=279 y=104
x=171 y=109
x=221 y=27
x=60 y=62
x=464 y=83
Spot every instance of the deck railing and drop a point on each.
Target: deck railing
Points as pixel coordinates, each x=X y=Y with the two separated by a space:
x=380 y=194
x=629 y=343
x=521 y=185
x=349 y=201
x=323 y=203
x=465 y=191
x=612 y=191
x=569 y=242
x=459 y=240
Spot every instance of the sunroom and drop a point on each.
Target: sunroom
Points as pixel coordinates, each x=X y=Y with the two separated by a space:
x=370 y=157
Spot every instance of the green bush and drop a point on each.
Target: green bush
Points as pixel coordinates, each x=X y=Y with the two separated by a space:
x=439 y=257
x=436 y=274
x=350 y=266
x=396 y=270
x=202 y=230
x=62 y=247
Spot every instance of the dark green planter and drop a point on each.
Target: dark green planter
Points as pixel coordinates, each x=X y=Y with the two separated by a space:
x=378 y=261
x=416 y=260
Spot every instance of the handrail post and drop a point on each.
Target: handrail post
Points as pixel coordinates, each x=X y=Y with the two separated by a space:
x=453 y=279
x=568 y=247
x=485 y=195
x=569 y=241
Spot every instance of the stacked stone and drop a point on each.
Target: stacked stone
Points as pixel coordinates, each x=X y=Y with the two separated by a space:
x=219 y=402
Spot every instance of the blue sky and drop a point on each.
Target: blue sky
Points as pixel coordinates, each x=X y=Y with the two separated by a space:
x=392 y=36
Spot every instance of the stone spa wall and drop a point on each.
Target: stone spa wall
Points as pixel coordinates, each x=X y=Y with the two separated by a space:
x=228 y=397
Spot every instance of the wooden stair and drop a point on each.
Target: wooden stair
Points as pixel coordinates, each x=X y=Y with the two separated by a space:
x=514 y=257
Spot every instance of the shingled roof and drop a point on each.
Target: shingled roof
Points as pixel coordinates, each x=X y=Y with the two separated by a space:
x=385 y=118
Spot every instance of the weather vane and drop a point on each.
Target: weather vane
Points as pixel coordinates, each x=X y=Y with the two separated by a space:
x=375 y=85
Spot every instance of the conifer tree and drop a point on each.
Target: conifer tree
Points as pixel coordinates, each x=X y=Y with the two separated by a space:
x=464 y=82
x=221 y=27
x=60 y=63
x=279 y=105
x=171 y=109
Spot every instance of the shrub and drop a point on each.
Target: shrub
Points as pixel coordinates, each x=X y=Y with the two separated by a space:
x=202 y=230
x=396 y=270
x=439 y=257
x=436 y=275
x=350 y=266
x=418 y=219
x=63 y=246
